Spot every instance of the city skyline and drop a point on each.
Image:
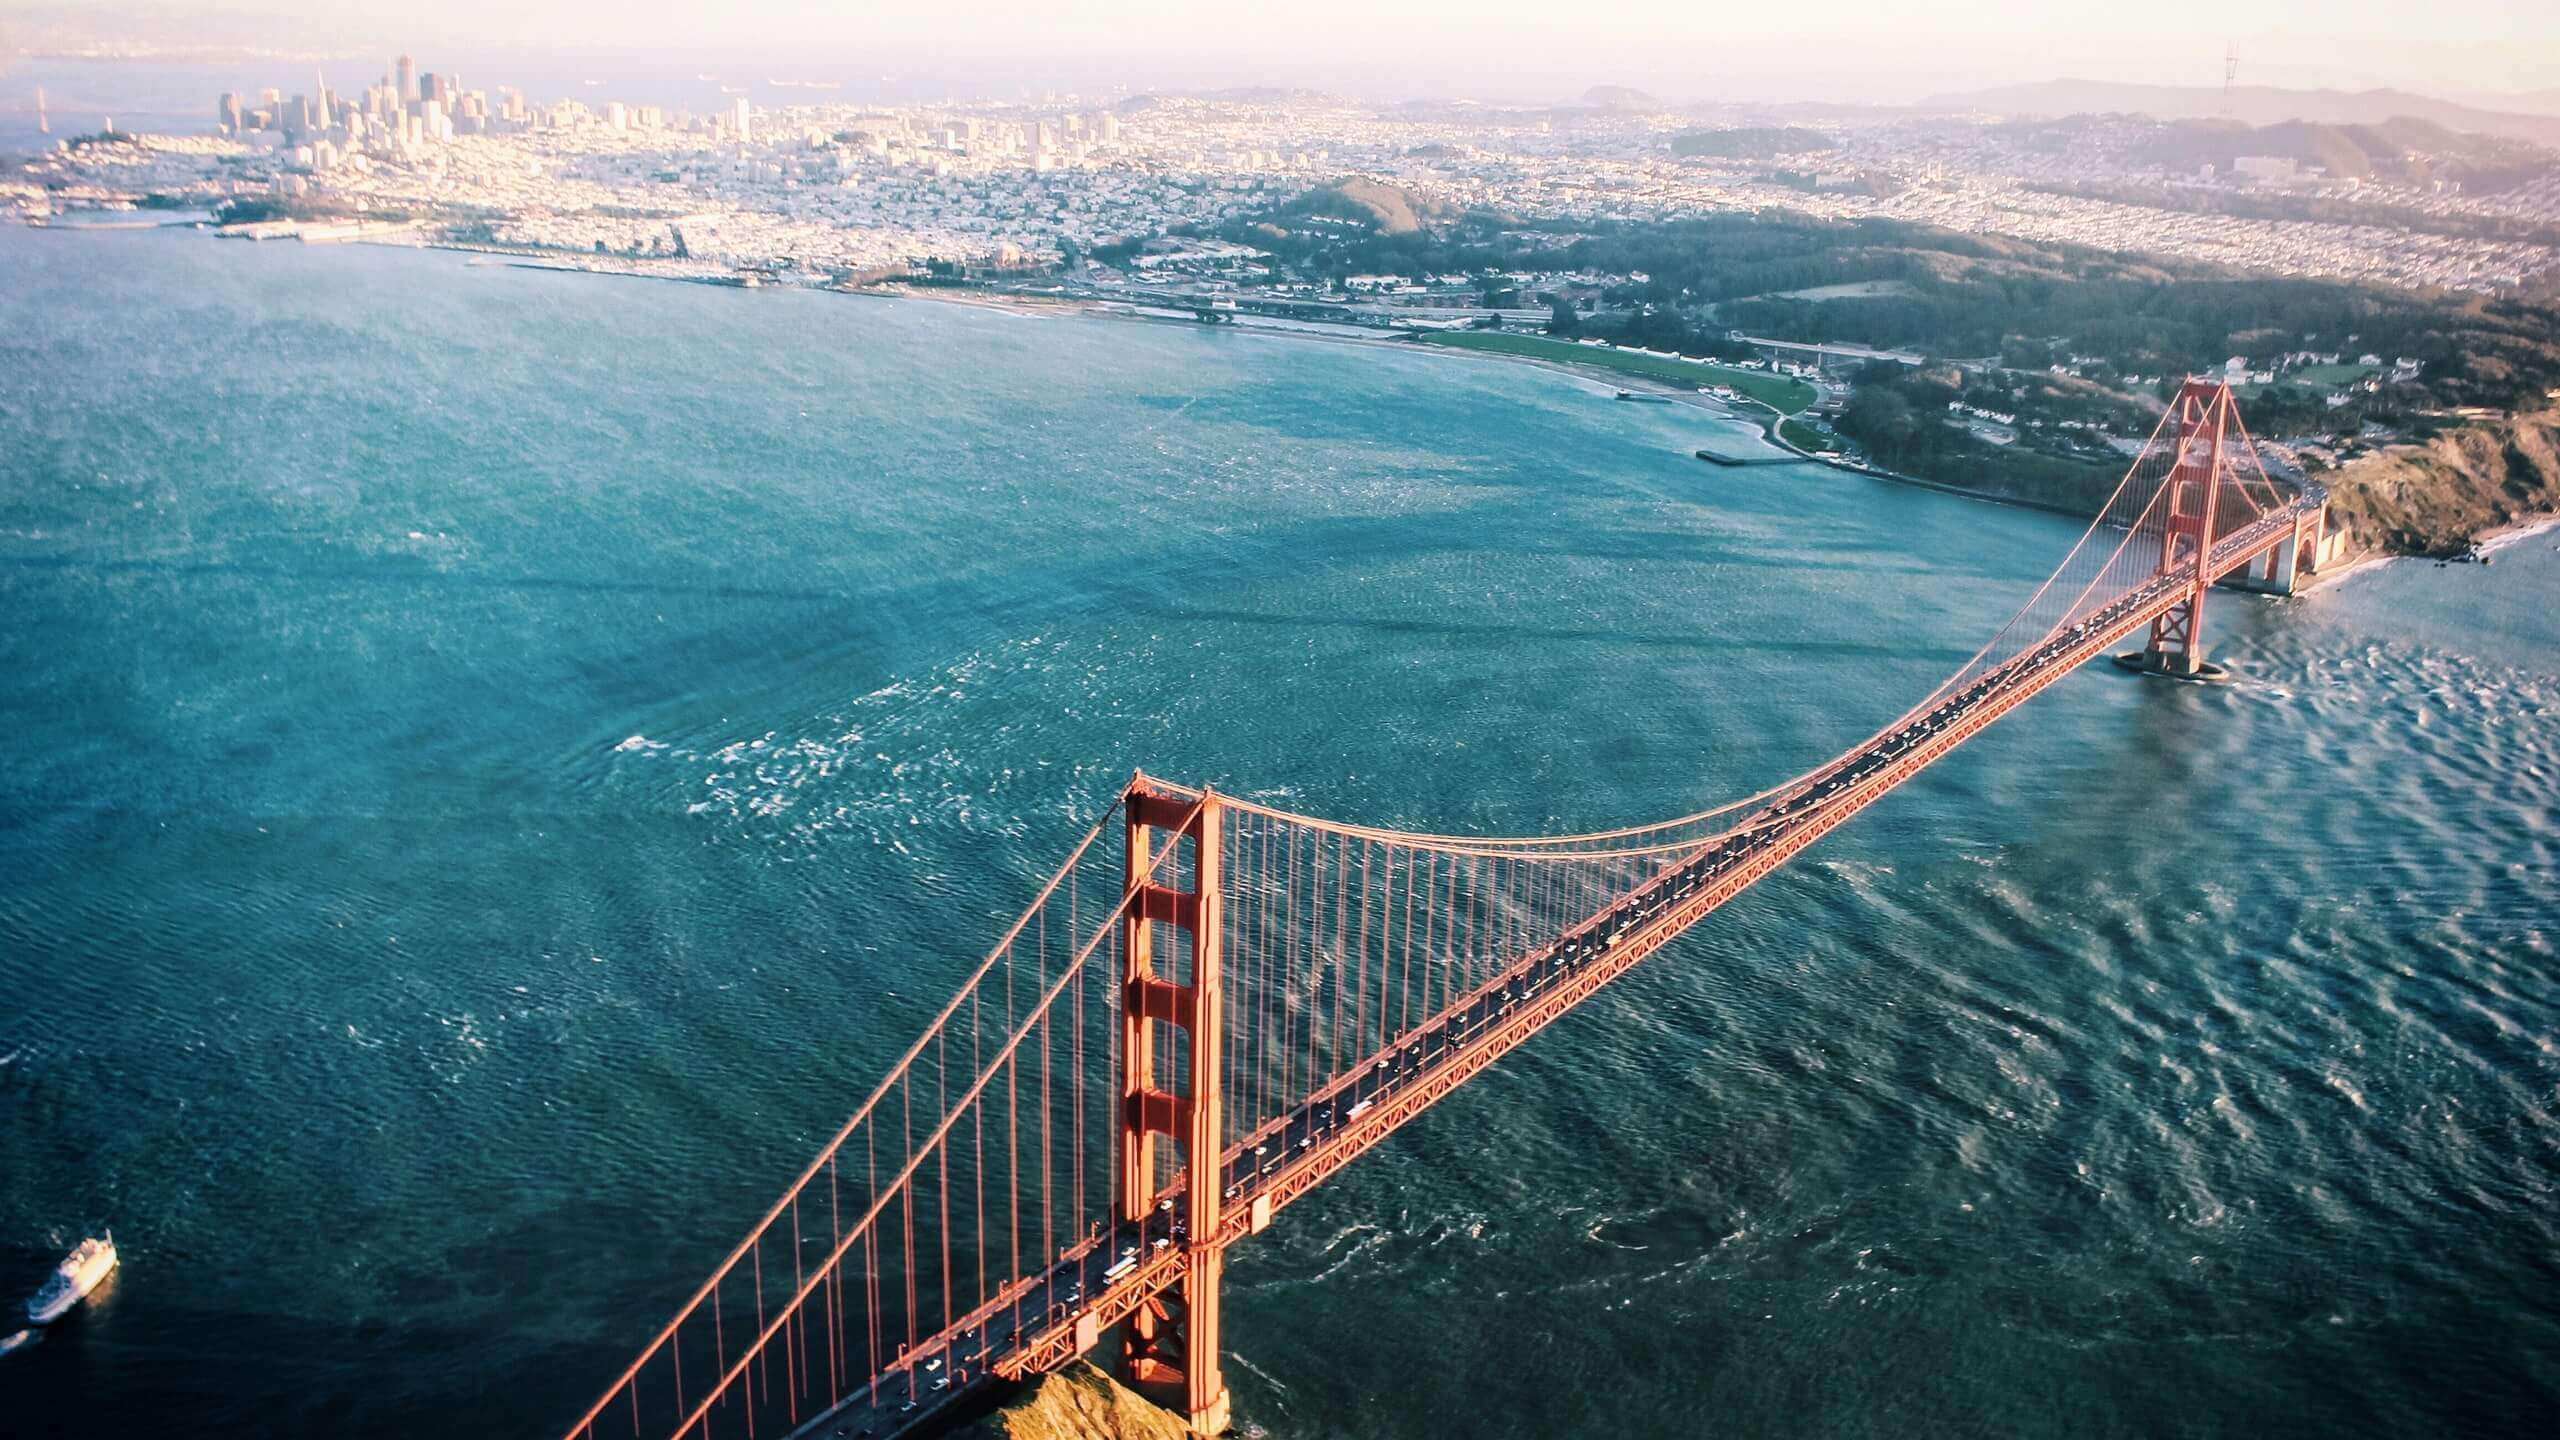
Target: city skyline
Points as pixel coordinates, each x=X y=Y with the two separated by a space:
x=1513 y=52
x=817 y=179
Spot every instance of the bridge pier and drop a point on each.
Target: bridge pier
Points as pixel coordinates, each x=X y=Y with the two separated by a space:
x=1170 y=1352
x=2176 y=646
x=2303 y=553
x=2271 y=573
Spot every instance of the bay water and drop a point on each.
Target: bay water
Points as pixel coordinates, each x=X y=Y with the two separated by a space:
x=497 y=761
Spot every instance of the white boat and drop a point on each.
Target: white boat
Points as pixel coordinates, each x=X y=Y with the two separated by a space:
x=73 y=1279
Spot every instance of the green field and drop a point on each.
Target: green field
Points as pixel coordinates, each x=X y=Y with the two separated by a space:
x=1803 y=436
x=1777 y=391
x=1854 y=290
x=2330 y=376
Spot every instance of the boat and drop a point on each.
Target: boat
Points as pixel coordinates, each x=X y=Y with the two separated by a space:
x=73 y=1279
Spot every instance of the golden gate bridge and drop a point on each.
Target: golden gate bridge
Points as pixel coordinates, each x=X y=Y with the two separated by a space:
x=1188 y=1030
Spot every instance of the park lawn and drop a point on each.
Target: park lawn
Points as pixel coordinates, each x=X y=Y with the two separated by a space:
x=2332 y=376
x=1783 y=393
x=1797 y=433
x=1854 y=290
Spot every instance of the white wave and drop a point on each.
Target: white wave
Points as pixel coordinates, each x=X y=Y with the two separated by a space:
x=1266 y=1376
x=2527 y=533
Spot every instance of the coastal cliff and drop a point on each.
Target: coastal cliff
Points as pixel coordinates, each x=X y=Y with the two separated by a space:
x=1077 y=1403
x=2441 y=497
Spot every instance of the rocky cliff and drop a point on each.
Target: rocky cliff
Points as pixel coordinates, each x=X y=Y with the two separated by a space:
x=1078 y=1403
x=2439 y=497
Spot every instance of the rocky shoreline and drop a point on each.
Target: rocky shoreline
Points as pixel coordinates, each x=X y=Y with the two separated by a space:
x=2448 y=497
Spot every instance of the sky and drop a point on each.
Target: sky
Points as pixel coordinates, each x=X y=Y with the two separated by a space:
x=1837 y=50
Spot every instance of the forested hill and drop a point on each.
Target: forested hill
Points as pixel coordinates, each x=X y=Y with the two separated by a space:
x=2031 y=304
x=1939 y=293
x=2074 y=343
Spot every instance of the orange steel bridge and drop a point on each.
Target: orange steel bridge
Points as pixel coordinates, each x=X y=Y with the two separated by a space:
x=1213 y=1005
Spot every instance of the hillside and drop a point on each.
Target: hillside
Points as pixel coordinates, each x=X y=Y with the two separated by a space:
x=2033 y=304
x=1386 y=209
x=1078 y=1403
x=1621 y=97
x=2401 y=149
x=2249 y=104
x=2440 y=497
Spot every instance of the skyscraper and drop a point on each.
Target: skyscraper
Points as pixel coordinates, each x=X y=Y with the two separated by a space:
x=738 y=118
x=229 y=112
x=408 y=80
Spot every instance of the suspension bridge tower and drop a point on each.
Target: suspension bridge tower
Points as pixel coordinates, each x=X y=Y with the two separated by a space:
x=1170 y=1349
x=2193 y=491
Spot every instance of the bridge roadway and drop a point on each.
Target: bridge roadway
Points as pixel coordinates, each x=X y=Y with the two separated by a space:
x=1104 y=1279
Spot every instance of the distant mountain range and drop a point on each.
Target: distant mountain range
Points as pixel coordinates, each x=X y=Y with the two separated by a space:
x=2530 y=102
x=2258 y=105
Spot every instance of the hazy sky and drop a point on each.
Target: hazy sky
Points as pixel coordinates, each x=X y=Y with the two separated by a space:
x=1831 y=49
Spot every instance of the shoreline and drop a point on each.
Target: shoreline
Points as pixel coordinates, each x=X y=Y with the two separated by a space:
x=2497 y=538
x=2483 y=545
x=1063 y=306
x=1769 y=430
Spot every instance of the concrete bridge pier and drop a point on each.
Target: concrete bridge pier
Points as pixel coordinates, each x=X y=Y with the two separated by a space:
x=2273 y=573
x=2281 y=571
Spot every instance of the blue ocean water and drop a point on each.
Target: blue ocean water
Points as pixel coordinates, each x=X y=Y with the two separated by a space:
x=498 y=760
